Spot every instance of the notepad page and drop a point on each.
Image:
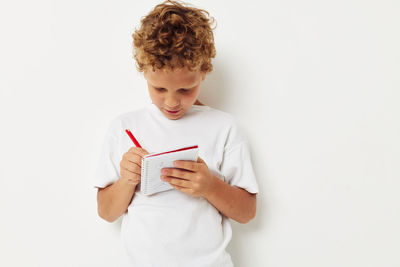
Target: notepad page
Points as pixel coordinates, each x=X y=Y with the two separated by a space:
x=151 y=169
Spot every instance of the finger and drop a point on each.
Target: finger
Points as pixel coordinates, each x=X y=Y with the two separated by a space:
x=200 y=160
x=185 y=190
x=138 y=150
x=177 y=182
x=134 y=158
x=130 y=166
x=187 y=165
x=175 y=172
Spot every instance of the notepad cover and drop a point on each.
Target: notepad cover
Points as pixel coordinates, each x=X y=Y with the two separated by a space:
x=152 y=164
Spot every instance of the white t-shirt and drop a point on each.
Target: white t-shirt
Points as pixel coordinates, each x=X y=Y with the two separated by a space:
x=172 y=228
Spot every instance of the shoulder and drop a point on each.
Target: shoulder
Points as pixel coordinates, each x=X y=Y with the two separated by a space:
x=217 y=115
x=126 y=120
x=132 y=115
x=228 y=126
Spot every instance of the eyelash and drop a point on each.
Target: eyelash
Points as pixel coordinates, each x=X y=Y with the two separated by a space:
x=182 y=90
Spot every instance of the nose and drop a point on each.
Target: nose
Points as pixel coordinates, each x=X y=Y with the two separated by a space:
x=172 y=102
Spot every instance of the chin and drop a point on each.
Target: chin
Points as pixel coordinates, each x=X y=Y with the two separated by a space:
x=172 y=117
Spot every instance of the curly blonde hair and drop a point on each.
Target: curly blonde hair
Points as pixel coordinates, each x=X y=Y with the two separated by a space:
x=174 y=36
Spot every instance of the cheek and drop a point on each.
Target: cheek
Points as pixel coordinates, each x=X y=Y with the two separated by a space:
x=156 y=97
x=189 y=99
x=193 y=95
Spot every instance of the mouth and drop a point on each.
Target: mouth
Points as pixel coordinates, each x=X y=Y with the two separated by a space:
x=172 y=111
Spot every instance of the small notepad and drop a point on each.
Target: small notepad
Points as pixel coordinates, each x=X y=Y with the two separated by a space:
x=152 y=164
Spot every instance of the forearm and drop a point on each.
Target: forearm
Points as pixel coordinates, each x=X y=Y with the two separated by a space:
x=233 y=202
x=114 y=200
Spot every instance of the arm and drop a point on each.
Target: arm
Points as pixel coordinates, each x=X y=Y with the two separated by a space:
x=233 y=202
x=195 y=179
x=113 y=200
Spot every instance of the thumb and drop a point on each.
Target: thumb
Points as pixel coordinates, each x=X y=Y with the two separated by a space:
x=145 y=151
x=138 y=150
x=200 y=160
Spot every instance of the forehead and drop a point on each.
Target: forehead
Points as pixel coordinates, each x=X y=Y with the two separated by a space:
x=178 y=78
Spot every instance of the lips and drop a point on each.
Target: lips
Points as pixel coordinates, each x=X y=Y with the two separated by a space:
x=173 y=111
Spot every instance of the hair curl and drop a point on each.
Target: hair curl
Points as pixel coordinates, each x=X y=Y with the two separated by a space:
x=175 y=36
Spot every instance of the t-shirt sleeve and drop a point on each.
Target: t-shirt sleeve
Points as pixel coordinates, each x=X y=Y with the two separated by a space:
x=236 y=165
x=107 y=169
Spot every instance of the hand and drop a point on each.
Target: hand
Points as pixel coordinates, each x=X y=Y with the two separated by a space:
x=131 y=165
x=192 y=178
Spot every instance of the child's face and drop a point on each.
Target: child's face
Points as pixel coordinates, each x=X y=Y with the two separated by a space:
x=174 y=92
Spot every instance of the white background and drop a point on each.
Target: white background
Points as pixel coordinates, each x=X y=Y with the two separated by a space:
x=314 y=84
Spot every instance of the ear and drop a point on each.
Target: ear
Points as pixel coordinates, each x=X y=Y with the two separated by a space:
x=203 y=75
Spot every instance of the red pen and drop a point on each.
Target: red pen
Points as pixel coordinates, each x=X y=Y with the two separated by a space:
x=133 y=138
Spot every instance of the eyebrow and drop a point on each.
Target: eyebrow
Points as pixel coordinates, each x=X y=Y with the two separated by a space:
x=177 y=89
x=186 y=88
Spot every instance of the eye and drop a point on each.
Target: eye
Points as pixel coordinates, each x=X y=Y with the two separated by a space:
x=182 y=90
x=160 y=89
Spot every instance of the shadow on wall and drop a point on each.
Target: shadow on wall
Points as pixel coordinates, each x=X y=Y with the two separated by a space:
x=215 y=88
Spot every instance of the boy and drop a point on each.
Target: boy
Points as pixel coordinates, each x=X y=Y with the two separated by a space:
x=187 y=226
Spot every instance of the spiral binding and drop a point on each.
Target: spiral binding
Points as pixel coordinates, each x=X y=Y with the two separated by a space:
x=143 y=181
